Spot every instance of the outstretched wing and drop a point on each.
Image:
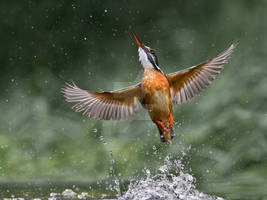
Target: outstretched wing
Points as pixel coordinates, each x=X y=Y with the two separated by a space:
x=190 y=82
x=115 y=105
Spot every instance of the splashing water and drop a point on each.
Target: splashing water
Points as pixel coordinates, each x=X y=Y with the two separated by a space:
x=115 y=187
x=170 y=183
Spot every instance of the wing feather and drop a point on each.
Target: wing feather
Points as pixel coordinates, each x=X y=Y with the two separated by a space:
x=114 y=105
x=190 y=82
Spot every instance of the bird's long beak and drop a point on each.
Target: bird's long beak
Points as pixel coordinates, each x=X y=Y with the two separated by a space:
x=139 y=43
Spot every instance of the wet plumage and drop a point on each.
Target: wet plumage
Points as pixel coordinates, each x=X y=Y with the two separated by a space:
x=157 y=92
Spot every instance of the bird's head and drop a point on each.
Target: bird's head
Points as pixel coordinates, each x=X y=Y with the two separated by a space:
x=147 y=55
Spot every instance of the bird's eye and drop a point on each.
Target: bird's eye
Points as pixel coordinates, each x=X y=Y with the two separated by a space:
x=152 y=52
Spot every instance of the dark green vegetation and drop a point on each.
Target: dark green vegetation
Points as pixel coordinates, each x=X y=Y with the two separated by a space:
x=47 y=43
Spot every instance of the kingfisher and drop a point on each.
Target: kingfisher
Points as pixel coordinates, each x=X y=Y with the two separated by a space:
x=157 y=92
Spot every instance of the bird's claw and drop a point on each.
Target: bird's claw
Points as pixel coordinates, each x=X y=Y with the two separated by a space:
x=164 y=127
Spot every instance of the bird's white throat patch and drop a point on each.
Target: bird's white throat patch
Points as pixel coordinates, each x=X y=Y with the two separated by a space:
x=143 y=58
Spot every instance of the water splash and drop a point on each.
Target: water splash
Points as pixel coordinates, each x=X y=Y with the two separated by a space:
x=116 y=186
x=169 y=183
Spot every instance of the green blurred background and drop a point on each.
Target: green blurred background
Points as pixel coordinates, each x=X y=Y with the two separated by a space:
x=47 y=43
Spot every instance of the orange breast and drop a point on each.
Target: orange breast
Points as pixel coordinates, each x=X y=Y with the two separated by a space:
x=157 y=98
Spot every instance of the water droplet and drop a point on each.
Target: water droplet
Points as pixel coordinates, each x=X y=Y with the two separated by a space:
x=95 y=131
x=68 y=193
x=53 y=194
x=73 y=6
x=83 y=195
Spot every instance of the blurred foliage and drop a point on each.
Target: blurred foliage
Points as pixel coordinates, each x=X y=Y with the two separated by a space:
x=47 y=43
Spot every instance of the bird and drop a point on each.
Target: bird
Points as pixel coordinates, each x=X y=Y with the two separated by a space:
x=157 y=92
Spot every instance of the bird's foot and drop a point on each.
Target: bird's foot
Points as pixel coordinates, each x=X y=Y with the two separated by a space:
x=163 y=126
x=171 y=119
